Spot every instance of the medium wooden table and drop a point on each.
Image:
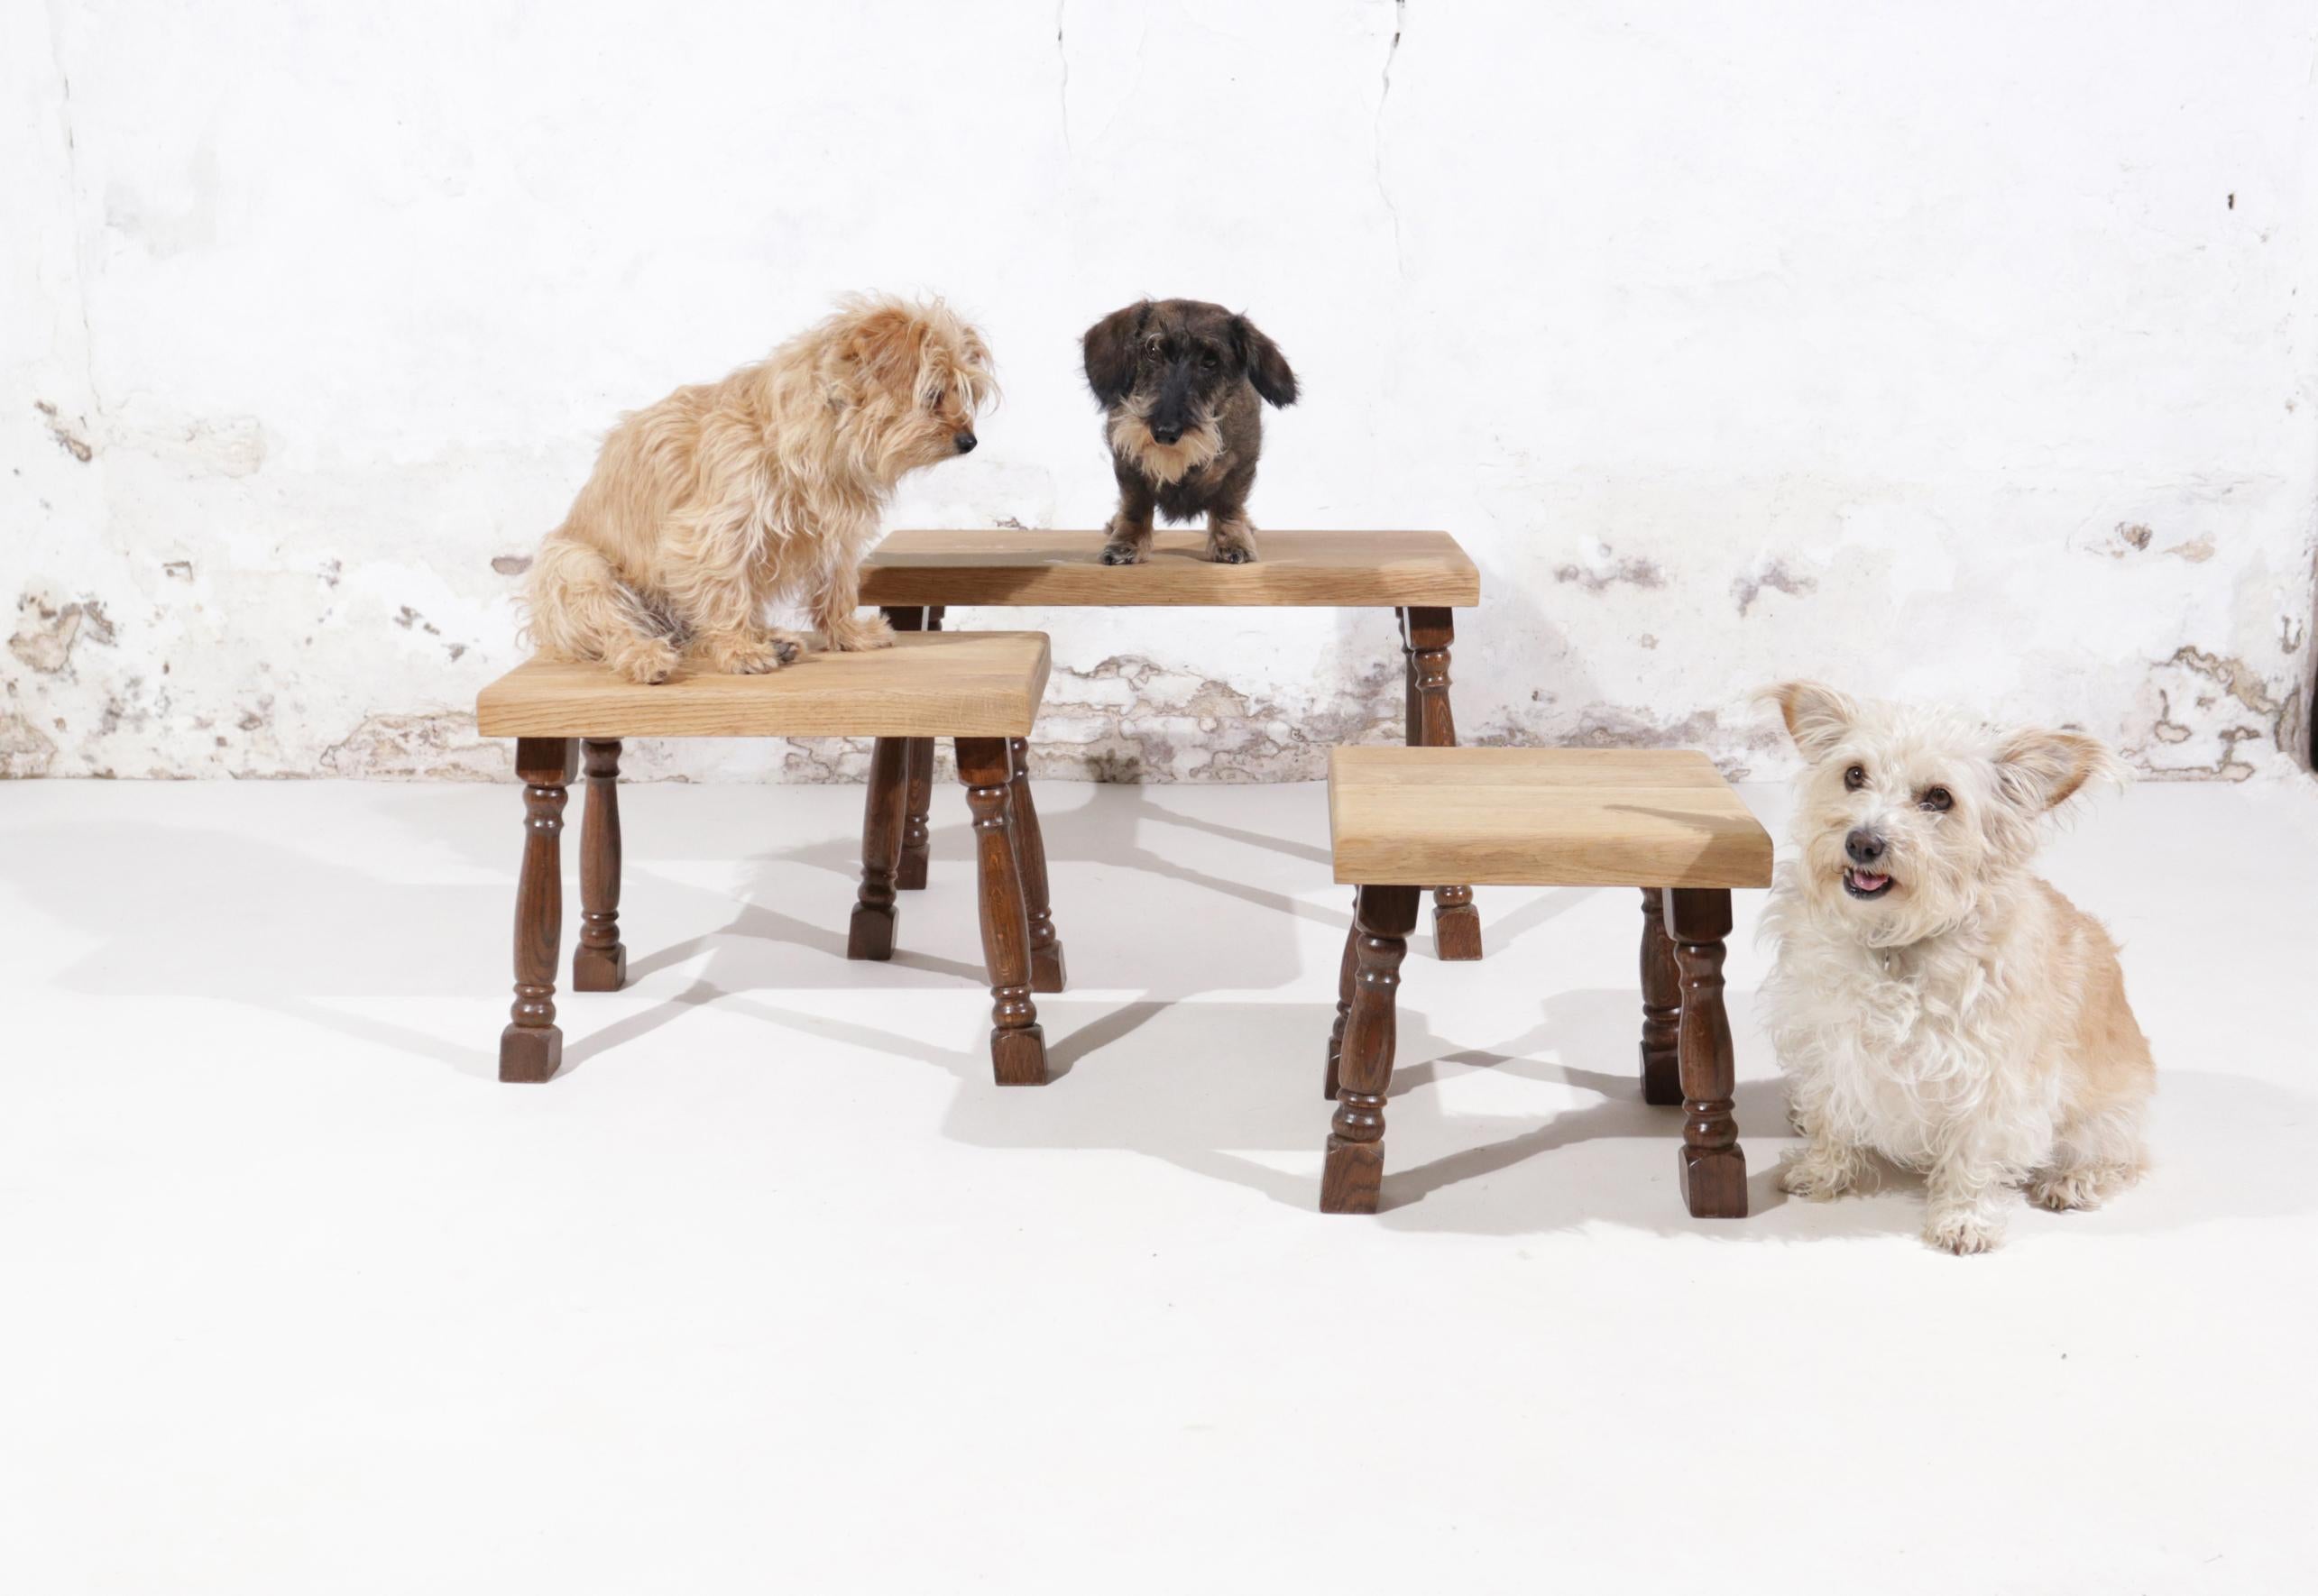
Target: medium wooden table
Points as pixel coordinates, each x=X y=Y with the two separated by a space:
x=1660 y=819
x=1421 y=577
x=981 y=688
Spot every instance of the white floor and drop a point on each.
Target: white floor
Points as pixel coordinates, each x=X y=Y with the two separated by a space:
x=773 y=1290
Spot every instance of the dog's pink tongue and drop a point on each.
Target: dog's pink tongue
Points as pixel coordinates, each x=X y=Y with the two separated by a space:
x=1866 y=882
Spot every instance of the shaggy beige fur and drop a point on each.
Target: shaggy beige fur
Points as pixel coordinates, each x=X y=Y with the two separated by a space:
x=1934 y=1000
x=723 y=498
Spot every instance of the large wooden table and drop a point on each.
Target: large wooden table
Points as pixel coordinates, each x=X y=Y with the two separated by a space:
x=914 y=575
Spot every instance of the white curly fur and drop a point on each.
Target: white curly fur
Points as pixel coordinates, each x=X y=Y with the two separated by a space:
x=1968 y=1021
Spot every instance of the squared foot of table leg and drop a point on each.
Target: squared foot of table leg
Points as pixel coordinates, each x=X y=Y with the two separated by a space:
x=1351 y=1177
x=871 y=934
x=1714 y=1182
x=600 y=969
x=530 y=1054
x=1046 y=973
x=1456 y=931
x=1019 y=1058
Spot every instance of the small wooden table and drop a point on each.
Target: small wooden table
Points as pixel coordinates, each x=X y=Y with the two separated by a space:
x=1662 y=820
x=981 y=688
x=1421 y=577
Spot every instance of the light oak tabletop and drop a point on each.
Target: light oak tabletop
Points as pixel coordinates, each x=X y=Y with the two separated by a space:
x=1007 y=565
x=1541 y=817
x=928 y=684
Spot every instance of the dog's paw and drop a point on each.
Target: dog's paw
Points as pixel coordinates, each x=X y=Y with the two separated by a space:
x=752 y=656
x=1817 y=1180
x=1122 y=554
x=2079 y=1188
x=648 y=662
x=1963 y=1233
x=1233 y=553
x=787 y=647
x=859 y=637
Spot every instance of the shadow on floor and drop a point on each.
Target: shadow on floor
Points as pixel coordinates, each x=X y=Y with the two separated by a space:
x=1222 y=1088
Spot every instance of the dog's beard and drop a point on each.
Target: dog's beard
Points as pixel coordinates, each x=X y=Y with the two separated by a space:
x=1130 y=437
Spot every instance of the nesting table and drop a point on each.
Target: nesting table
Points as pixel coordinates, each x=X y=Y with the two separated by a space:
x=981 y=688
x=1660 y=819
x=914 y=575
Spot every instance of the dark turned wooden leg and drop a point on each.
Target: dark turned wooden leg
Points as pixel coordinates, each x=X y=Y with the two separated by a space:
x=1030 y=857
x=1017 y=1045
x=531 y=1047
x=1661 y=1007
x=1425 y=637
x=600 y=964
x=917 y=833
x=871 y=934
x=916 y=837
x=1383 y=917
x=1344 y=973
x=1713 y=1166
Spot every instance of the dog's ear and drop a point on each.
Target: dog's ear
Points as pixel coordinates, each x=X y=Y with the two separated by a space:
x=2041 y=770
x=1817 y=718
x=1267 y=368
x=887 y=342
x=1110 y=350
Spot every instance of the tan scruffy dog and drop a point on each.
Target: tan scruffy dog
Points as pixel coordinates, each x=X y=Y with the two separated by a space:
x=725 y=497
x=1934 y=1000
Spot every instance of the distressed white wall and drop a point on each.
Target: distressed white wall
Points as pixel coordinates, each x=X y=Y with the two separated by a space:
x=1962 y=351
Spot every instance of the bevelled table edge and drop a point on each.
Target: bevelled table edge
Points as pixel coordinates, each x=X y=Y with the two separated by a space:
x=997 y=714
x=1754 y=871
x=1456 y=586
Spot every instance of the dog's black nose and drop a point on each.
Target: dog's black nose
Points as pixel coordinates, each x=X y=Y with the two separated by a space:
x=1863 y=846
x=1167 y=434
x=965 y=441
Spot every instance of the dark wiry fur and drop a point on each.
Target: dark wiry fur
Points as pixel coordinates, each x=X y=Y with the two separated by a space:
x=1179 y=382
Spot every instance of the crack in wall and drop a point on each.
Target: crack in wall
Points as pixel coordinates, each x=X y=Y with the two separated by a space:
x=1131 y=719
x=2211 y=704
x=1631 y=572
x=1376 y=137
x=1063 y=89
x=45 y=641
x=1774 y=576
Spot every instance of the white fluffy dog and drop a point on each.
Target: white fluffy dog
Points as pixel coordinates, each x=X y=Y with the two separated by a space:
x=1934 y=1000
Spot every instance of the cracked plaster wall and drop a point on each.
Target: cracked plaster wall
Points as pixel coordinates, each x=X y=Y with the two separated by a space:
x=1954 y=352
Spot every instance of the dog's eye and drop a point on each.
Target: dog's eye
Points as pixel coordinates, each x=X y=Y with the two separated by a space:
x=1151 y=351
x=934 y=400
x=1209 y=361
x=1937 y=800
x=1855 y=778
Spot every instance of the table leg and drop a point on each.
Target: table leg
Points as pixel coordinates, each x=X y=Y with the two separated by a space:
x=1345 y=971
x=530 y=1048
x=1354 y=1171
x=871 y=934
x=1714 y=1166
x=1018 y=1044
x=1661 y=1006
x=600 y=963
x=1047 y=974
x=1425 y=637
x=916 y=837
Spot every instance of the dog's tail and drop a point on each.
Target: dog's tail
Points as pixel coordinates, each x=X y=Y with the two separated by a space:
x=576 y=608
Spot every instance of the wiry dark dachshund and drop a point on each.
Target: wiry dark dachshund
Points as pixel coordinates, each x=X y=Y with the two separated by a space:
x=1179 y=381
